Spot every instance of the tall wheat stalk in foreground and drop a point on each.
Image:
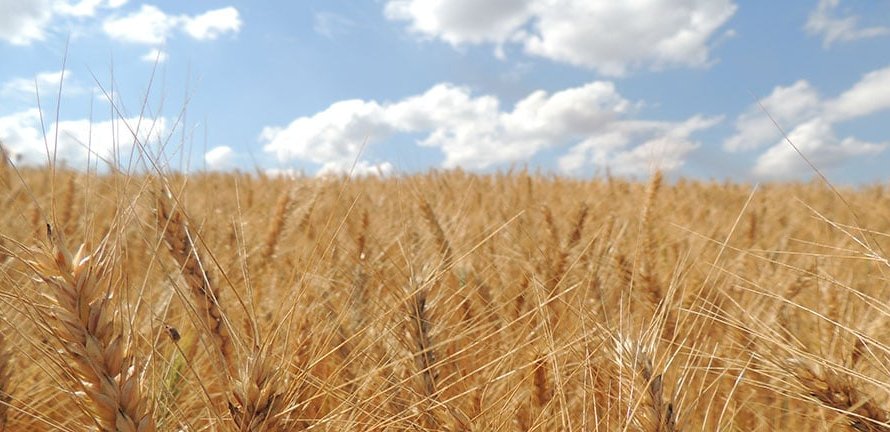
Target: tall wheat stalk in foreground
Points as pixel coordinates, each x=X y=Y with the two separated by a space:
x=87 y=324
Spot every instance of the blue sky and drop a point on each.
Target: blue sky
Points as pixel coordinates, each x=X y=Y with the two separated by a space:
x=575 y=87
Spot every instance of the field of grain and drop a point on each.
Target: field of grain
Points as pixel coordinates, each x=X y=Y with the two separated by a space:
x=445 y=301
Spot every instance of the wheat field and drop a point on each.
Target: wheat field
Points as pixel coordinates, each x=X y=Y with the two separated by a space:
x=444 y=301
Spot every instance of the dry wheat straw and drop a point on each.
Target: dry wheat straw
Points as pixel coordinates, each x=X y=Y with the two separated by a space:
x=5 y=382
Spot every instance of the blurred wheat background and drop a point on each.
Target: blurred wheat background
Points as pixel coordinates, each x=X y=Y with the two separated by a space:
x=444 y=301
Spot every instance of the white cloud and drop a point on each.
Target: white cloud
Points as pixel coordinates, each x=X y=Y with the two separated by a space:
x=824 y=22
x=85 y=8
x=47 y=83
x=149 y=25
x=79 y=140
x=23 y=22
x=22 y=137
x=25 y=86
x=152 y=26
x=358 y=169
x=220 y=158
x=818 y=142
x=475 y=132
x=663 y=145
x=811 y=121
x=334 y=135
x=787 y=105
x=155 y=55
x=212 y=24
x=611 y=37
x=462 y=21
x=871 y=94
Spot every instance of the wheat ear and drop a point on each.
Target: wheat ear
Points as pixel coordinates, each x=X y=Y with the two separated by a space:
x=257 y=396
x=178 y=238
x=839 y=393
x=84 y=321
x=648 y=243
x=441 y=240
x=279 y=219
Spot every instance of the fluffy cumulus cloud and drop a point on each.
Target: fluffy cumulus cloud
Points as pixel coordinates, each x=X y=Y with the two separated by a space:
x=23 y=22
x=810 y=120
x=152 y=26
x=79 y=141
x=869 y=95
x=475 y=132
x=212 y=24
x=462 y=21
x=611 y=37
x=787 y=105
x=220 y=158
x=359 y=168
x=817 y=140
x=825 y=21
x=637 y=147
x=333 y=137
x=149 y=25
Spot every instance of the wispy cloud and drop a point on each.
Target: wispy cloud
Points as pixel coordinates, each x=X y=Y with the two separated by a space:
x=825 y=21
x=47 y=83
